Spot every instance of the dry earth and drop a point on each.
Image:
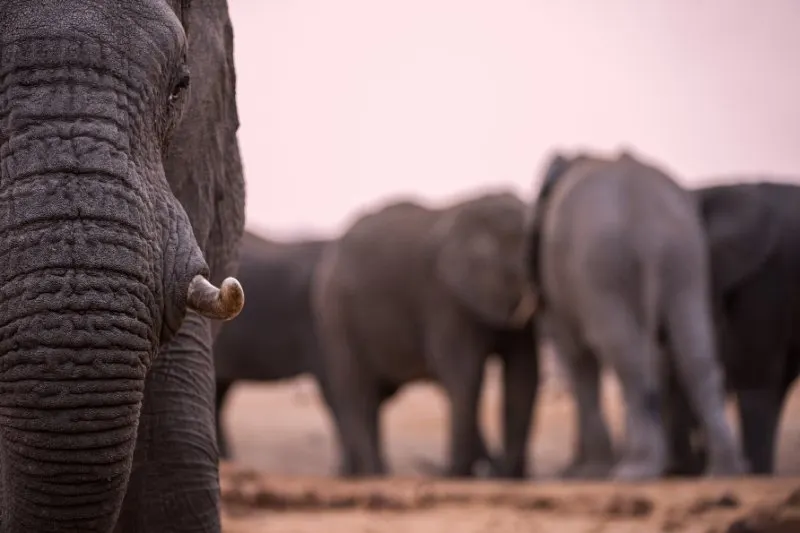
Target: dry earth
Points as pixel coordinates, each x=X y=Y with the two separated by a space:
x=282 y=479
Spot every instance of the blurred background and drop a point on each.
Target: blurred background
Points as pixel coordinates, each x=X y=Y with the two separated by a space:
x=345 y=103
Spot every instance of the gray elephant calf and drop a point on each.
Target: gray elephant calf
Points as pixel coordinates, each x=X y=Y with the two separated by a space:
x=274 y=336
x=753 y=232
x=412 y=293
x=619 y=255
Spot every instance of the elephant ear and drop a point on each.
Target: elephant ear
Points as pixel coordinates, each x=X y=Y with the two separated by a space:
x=462 y=253
x=533 y=244
x=556 y=168
x=740 y=230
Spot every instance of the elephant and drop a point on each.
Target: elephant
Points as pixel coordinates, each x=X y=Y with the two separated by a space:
x=753 y=234
x=121 y=207
x=274 y=337
x=618 y=260
x=411 y=292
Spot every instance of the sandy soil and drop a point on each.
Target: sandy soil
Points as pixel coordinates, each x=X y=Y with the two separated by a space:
x=282 y=478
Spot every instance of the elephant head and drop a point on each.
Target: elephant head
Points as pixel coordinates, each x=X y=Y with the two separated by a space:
x=479 y=245
x=740 y=230
x=98 y=260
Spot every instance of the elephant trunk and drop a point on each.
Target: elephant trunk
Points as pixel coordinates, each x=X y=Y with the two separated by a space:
x=76 y=338
x=80 y=306
x=89 y=271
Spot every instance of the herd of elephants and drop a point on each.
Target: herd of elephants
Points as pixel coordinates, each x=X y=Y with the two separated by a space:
x=122 y=217
x=685 y=294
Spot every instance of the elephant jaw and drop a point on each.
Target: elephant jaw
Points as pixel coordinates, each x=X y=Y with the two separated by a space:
x=224 y=303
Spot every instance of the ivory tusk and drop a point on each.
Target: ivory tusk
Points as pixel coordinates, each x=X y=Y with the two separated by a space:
x=221 y=304
x=524 y=310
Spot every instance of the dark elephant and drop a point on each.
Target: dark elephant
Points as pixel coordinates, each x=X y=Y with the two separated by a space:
x=121 y=194
x=753 y=232
x=274 y=337
x=617 y=253
x=411 y=293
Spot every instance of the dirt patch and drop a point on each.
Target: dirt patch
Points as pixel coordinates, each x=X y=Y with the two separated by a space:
x=282 y=479
x=265 y=503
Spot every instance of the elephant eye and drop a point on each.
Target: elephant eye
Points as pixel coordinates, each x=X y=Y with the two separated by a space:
x=180 y=85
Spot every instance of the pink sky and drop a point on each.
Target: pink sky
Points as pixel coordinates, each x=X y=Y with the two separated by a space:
x=344 y=103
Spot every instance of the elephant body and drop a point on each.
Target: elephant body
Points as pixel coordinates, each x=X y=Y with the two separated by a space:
x=619 y=257
x=274 y=337
x=121 y=206
x=753 y=232
x=413 y=293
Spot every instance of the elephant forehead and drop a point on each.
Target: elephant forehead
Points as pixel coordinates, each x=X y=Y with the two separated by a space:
x=125 y=20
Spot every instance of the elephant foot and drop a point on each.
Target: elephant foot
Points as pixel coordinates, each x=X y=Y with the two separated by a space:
x=496 y=468
x=429 y=468
x=590 y=469
x=729 y=467
x=637 y=470
x=686 y=465
x=345 y=471
x=485 y=469
x=482 y=469
x=685 y=469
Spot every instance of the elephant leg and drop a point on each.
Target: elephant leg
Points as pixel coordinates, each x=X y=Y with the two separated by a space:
x=466 y=443
x=351 y=390
x=521 y=385
x=617 y=338
x=222 y=442
x=684 y=458
x=459 y=358
x=593 y=455
x=355 y=406
x=359 y=430
x=174 y=483
x=496 y=469
x=759 y=416
x=690 y=335
x=347 y=459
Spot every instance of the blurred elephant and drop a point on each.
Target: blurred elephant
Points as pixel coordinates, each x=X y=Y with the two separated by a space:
x=753 y=234
x=619 y=256
x=413 y=293
x=274 y=337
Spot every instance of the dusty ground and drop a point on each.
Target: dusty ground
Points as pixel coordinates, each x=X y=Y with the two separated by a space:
x=284 y=452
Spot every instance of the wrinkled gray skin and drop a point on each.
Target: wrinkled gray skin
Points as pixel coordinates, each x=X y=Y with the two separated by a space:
x=274 y=337
x=622 y=265
x=411 y=293
x=753 y=234
x=119 y=184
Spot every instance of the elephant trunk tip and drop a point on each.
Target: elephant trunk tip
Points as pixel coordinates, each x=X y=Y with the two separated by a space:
x=224 y=303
